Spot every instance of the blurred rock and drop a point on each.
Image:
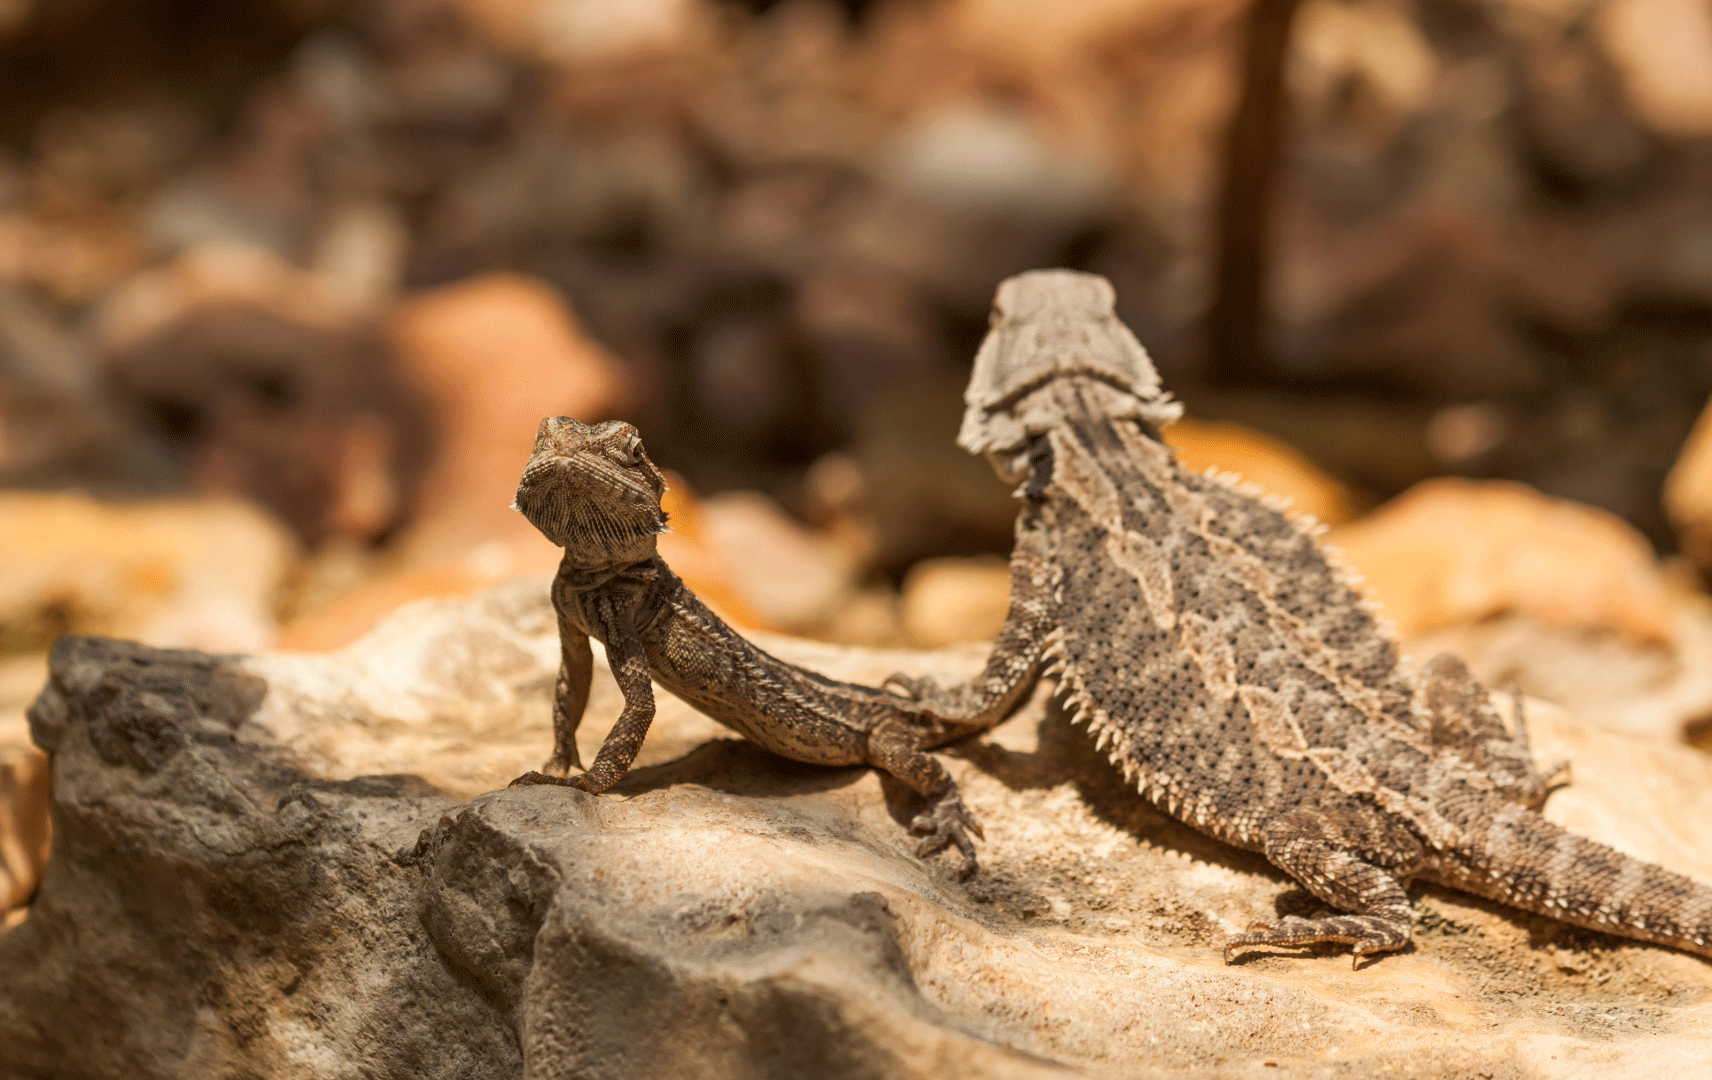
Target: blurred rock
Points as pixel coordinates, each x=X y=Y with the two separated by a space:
x=54 y=428
x=871 y=617
x=25 y=829
x=925 y=496
x=216 y=274
x=1688 y=495
x=494 y=355
x=347 y=592
x=1663 y=49
x=1453 y=551
x=696 y=556
x=199 y=574
x=587 y=31
x=749 y=915
x=794 y=579
x=359 y=255
x=246 y=379
x=987 y=158
x=336 y=621
x=309 y=422
x=952 y=600
x=1260 y=459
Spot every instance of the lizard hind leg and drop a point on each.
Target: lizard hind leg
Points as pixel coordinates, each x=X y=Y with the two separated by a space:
x=896 y=748
x=1316 y=848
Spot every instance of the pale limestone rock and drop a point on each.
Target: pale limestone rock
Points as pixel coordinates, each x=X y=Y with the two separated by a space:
x=234 y=891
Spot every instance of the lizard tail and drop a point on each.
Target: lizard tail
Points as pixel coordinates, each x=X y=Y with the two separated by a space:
x=1526 y=861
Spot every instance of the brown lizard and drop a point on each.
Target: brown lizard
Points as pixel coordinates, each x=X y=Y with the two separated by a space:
x=1234 y=673
x=592 y=491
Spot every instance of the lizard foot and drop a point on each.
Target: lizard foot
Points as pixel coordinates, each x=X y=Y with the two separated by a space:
x=944 y=823
x=531 y=778
x=1366 y=933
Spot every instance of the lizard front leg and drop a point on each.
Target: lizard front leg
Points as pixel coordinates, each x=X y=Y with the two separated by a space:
x=1016 y=658
x=570 y=697
x=895 y=746
x=1321 y=849
x=629 y=662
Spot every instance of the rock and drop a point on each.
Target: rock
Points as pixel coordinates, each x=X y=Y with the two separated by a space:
x=581 y=32
x=1452 y=551
x=1617 y=683
x=50 y=412
x=214 y=274
x=1259 y=459
x=237 y=374
x=312 y=422
x=358 y=594
x=987 y=158
x=793 y=578
x=237 y=885
x=1663 y=50
x=21 y=678
x=1688 y=495
x=24 y=827
x=194 y=573
x=949 y=600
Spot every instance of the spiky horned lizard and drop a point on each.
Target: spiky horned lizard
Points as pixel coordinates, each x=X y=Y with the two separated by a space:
x=1233 y=672
x=592 y=491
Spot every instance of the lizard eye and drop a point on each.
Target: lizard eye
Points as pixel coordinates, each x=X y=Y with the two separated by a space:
x=628 y=454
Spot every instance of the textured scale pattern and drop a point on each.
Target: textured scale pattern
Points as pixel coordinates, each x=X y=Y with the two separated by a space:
x=593 y=491
x=1234 y=673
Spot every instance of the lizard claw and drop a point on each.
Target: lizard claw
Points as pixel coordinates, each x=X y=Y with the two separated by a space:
x=947 y=822
x=530 y=779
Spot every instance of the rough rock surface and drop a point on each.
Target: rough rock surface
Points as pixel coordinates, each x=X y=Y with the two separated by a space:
x=246 y=881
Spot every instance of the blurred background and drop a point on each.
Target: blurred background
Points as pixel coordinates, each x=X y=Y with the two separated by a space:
x=286 y=285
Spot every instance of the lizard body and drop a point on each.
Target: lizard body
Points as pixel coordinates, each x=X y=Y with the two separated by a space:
x=1234 y=673
x=593 y=491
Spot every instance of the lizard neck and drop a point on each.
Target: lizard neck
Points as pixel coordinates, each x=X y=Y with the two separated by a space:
x=583 y=578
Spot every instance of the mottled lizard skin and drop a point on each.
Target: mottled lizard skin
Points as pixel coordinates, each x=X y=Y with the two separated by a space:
x=592 y=491
x=1236 y=676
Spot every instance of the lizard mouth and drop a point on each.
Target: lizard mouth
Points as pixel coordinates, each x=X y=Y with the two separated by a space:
x=590 y=506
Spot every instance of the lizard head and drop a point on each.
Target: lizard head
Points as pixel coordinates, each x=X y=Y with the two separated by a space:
x=592 y=490
x=1051 y=328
